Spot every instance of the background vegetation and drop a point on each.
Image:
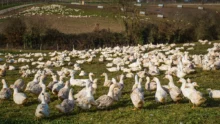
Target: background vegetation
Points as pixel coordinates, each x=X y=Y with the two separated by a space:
x=39 y=35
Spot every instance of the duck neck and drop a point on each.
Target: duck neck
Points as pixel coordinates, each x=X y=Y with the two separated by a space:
x=5 y=85
x=54 y=79
x=110 y=92
x=89 y=93
x=106 y=77
x=72 y=76
x=94 y=85
x=67 y=84
x=148 y=81
x=35 y=78
x=171 y=83
x=121 y=79
x=139 y=85
x=61 y=80
x=114 y=81
x=158 y=84
x=15 y=90
x=136 y=79
x=43 y=88
x=90 y=77
x=183 y=84
x=70 y=95
x=43 y=100
x=41 y=82
x=118 y=68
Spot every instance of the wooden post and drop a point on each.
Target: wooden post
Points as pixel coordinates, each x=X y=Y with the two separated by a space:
x=40 y=47
x=57 y=46
x=83 y=2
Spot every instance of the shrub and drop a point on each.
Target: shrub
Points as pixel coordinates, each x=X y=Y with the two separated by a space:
x=14 y=31
x=3 y=40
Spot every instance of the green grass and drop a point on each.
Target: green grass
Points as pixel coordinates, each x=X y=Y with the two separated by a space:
x=119 y=112
x=9 y=5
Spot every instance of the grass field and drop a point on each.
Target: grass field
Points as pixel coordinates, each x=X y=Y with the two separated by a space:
x=121 y=111
x=105 y=18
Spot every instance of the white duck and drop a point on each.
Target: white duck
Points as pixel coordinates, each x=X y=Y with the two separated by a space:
x=180 y=73
x=82 y=93
x=154 y=70
x=58 y=85
x=42 y=109
x=150 y=86
x=94 y=86
x=215 y=94
x=82 y=73
x=32 y=83
x=137 y=96
x=135 y=64
x=44 y=94
x=185 y=90
x=121 y=82
x=142 y=74
x=79 y=82
x=114 y=69
x=161 y=94
x=135 y=82
x=107 y=82
x=36 y=88
x=18 y=97
x=130 y=75
x=5 y=92
x=116 y=90
x=191 y=84
x=196 y=98
x=50 y=85
x=19 y=83
x=63 y=92
x=88 y=101
x=67 y=105
x=174 y=91
x=105 y=101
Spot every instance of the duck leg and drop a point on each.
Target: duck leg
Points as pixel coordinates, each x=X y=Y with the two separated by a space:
x=193 y=106
x=134 y=109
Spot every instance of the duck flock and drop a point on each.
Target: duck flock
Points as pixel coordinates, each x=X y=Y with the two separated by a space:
x=136 y=63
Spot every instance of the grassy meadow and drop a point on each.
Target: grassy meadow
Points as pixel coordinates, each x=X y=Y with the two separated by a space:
x=121 y=111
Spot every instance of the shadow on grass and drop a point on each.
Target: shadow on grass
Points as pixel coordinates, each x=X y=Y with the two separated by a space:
x=152 y=106
x=53 y=98
x=212 y=103
x=116 y=105
x=31 y=102
x=60 y=115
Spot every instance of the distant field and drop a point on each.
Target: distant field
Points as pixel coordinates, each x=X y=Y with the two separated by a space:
x=104 y=18
x=108 y=18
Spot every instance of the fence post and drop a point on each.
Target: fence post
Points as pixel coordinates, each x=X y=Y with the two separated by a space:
x=40 y=47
